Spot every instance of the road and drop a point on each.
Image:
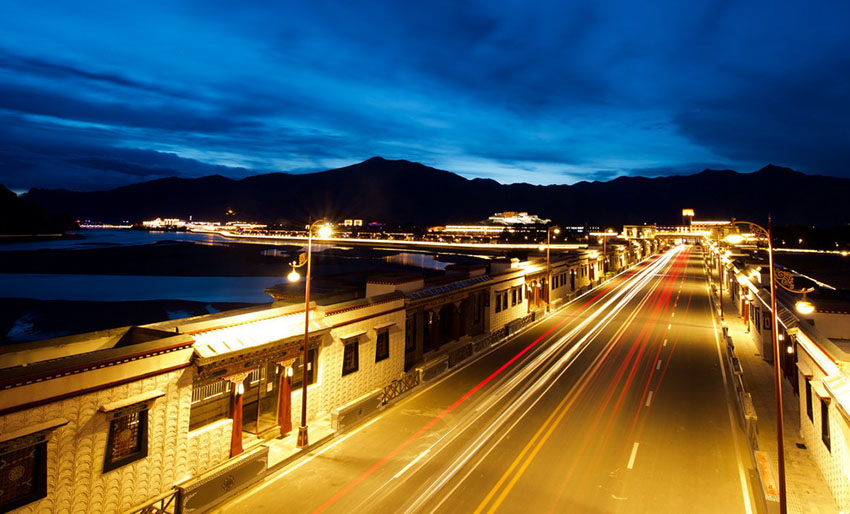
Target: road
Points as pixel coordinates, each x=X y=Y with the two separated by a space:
x=616 y=403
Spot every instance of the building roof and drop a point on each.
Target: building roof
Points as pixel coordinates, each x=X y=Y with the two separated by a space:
x=446 y=288
x=213 y=345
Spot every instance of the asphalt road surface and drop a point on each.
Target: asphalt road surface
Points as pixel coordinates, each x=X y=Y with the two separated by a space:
x=617 y=403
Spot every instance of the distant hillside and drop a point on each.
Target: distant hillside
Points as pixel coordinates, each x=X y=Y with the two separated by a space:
x=21 y=218
x=403 y=191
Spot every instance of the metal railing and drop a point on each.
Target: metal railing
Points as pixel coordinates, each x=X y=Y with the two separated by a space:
x=166 y=503
x=407 y=382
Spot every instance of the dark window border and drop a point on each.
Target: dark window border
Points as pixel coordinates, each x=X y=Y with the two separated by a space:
x=824 y=423
x=39 y=474
x=351 y=345
x=110 y=464
x=382 y=345
x=809 y=410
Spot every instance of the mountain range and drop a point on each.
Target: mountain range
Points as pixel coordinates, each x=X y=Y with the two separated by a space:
x=408 y=192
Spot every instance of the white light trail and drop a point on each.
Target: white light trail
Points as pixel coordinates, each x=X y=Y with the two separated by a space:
x=533 y=390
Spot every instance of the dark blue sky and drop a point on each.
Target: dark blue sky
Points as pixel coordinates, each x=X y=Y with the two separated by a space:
x=100 y=94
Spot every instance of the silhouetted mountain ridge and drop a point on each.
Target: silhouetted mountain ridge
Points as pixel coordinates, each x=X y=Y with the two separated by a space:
x=21 y=218
x=405 y=191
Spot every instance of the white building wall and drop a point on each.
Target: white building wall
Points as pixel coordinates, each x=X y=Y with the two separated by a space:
x=333 y=390
x=834 y=463
x=76 y=482
x=512 y=312
x=209 y=446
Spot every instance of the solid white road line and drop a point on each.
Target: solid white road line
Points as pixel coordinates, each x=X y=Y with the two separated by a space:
x=649 y=397
x=632 y=458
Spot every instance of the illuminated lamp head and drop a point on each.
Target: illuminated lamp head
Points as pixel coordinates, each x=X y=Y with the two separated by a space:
x=325 y=232
x=293 y=276
x=804 y=307
x=735 y=239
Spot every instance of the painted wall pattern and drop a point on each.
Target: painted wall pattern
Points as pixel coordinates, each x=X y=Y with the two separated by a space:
x=75 y=452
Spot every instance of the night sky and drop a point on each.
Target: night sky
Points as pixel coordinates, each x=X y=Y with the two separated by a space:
x=101 y=94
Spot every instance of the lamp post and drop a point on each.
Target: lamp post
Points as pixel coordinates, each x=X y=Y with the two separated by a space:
x=777 y=378
x=324 y=232
x=604 y=237
x=548 y=290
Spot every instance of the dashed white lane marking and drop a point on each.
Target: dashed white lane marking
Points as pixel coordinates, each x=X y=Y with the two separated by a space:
x=649 y=397
x=658 y=366
x=665 y=343
x=669 y=326
x=673 y=315
x=632 y=458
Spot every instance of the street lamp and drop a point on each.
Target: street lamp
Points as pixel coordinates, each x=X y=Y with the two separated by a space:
x=786 y=281
x=604 y=237
x=323 y=232
x=548 y=290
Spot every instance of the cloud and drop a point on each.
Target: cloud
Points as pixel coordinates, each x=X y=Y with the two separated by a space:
x=544 y=92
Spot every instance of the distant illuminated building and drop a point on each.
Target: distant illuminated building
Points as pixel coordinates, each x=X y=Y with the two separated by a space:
x=517 y=218
x=165 y=223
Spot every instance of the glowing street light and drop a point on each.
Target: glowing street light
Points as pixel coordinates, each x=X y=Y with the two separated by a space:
x=785 y=280
x=804 y=307
x=324 y=232
x=548 y=290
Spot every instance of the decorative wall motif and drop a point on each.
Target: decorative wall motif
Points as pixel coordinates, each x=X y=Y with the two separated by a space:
x=209 y=446
x=75 y=453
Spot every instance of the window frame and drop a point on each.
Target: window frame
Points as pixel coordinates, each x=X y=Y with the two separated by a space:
x=141 y=410
x=354 y=343
x=824 y=424
x=809 y=409
x=383 y=333
x=38 y=442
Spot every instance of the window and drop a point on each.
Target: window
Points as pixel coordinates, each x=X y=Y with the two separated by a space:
x=824 y=421
x=210 y=403
x=513 y=297
x=350 y=356
x=521 y=289
x=809 y=400
x=128 y=436
x=767 y=322
x=382 y=345
x=23 y=471
x=501 y=300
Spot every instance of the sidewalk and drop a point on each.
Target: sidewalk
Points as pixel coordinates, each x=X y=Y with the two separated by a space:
x=806 y=489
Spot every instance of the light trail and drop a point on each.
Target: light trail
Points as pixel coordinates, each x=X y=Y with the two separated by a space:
x=565 y=404
x=667 y=280
x=393 y=242
x=631 y=287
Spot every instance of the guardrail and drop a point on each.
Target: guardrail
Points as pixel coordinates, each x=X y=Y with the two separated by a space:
x=407 y=382
x=165 y=503
x=747 y=412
